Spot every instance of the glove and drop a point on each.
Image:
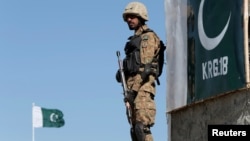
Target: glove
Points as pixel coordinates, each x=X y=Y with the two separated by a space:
x=130 y=96
x=118 y=76
x=147 y=71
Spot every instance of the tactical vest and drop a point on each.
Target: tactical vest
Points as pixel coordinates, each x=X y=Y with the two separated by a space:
x=132 y=61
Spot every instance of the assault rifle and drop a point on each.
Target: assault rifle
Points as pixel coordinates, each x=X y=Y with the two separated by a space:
x=125 y=92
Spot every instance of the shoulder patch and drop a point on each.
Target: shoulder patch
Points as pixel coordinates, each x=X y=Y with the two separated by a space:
x=145 y=37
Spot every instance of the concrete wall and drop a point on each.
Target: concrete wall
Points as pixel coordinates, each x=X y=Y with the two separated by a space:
x=190 y=123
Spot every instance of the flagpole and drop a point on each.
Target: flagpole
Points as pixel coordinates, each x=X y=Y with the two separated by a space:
x=33 y=129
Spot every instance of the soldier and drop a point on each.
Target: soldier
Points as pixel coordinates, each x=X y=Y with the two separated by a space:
x=140 y=69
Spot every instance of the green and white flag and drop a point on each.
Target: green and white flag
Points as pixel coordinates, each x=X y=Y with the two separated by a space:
x=43 y=117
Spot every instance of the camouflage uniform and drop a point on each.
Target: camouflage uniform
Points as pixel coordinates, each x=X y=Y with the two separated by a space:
x=144 y=108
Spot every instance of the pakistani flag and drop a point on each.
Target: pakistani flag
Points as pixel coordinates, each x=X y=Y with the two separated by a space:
x=43 y=117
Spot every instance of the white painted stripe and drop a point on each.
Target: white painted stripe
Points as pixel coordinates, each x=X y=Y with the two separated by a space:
x=37 y=117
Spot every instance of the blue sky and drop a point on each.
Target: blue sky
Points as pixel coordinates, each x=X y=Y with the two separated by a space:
x=62 y=54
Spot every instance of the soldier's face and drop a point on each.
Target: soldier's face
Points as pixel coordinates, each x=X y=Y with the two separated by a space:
x=132 y=21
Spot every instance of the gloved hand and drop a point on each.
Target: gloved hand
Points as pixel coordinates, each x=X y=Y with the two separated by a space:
x=147 y=71
x=130 y=96
x=118 y=76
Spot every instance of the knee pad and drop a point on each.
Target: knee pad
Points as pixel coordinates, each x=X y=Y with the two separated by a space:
x=141 y=131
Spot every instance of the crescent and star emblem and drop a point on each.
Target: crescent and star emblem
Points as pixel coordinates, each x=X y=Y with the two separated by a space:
x=53 y=117
x=207 y=42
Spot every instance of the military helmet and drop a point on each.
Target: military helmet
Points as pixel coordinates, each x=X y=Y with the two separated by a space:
x=137 y=9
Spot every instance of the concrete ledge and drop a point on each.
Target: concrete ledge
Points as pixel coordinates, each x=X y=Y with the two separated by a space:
x=190 y=123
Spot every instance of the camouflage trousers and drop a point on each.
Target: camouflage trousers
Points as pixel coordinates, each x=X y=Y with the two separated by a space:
x=144 y=110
